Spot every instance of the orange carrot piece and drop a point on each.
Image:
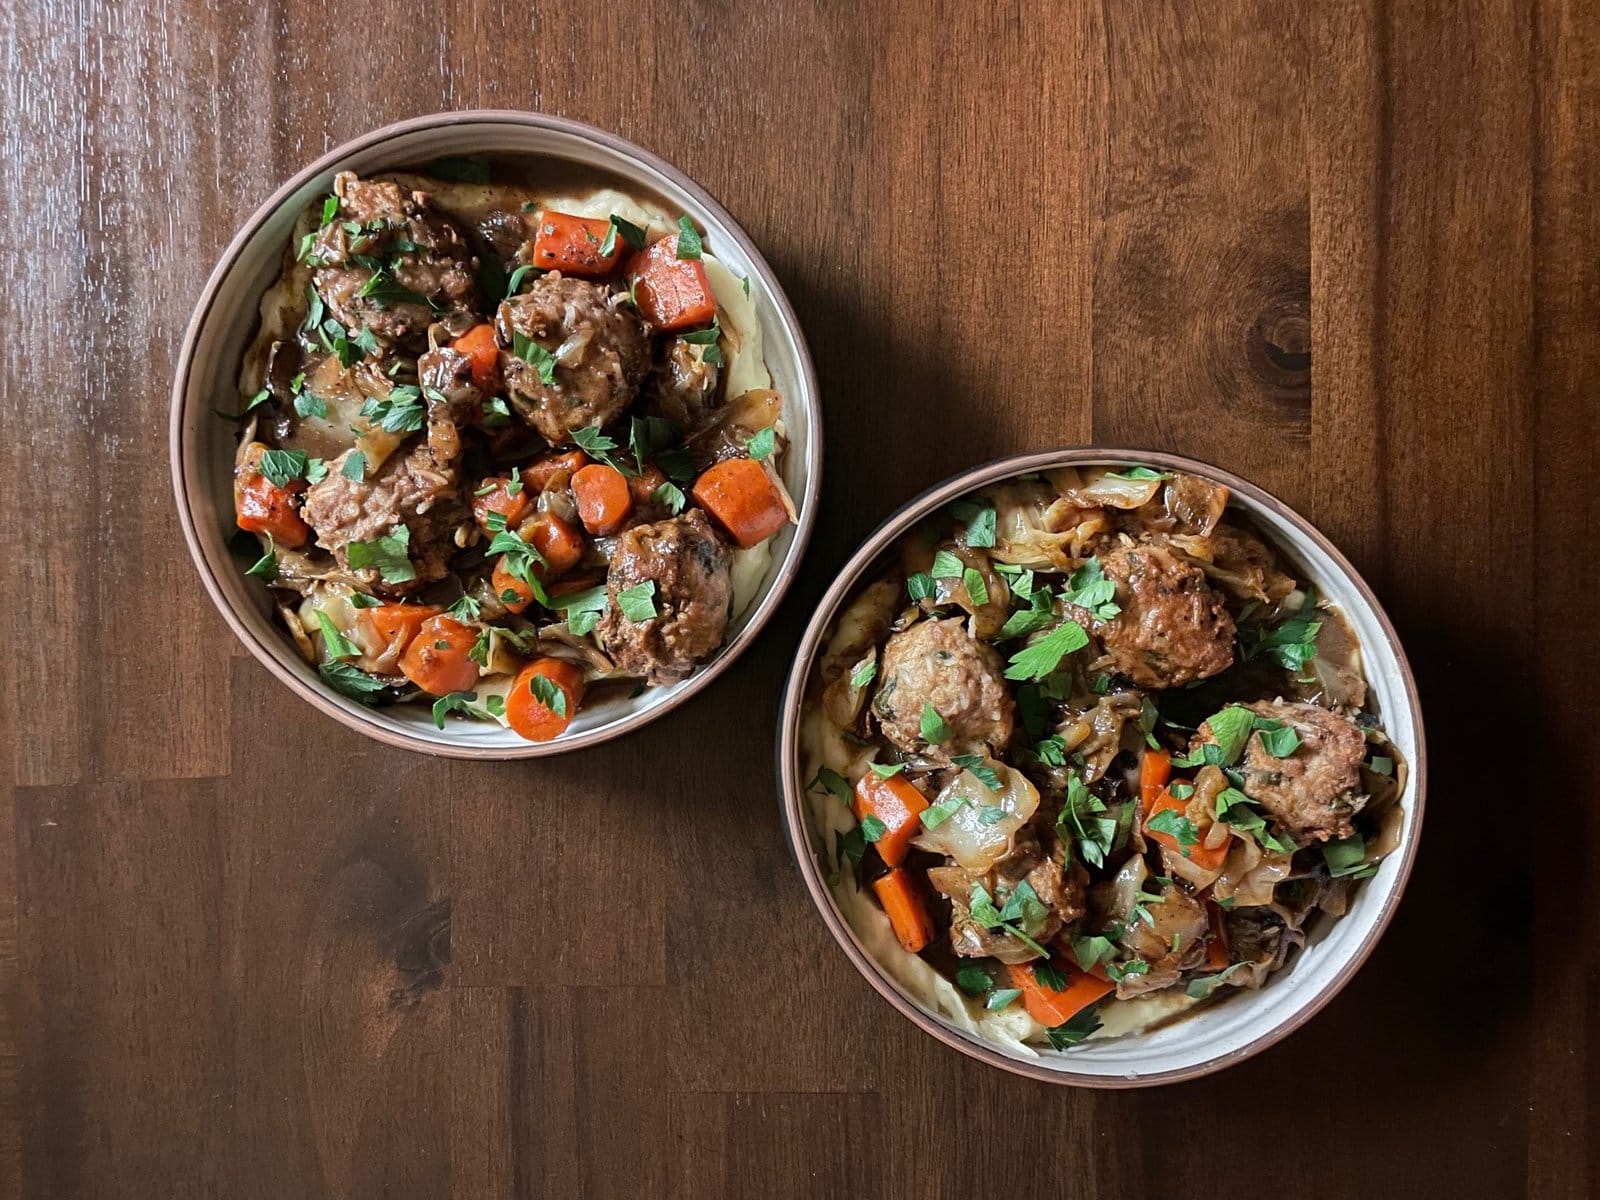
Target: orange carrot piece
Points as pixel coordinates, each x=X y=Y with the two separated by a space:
x=603 y=500
x=554 y=468
x=895 y=801
x=571 y=244
x=437 y=660
x=531 y=717
x=743 y=499
x=1200 y=854
x=483 y=355
x=264 y=507
x=511 y=507
x=555 y=539
x=1155 y=769
x=516 y=594
x=396 y=625
x=1217 y=946
x=1050 y=1007
x=671 y=292
x=905 y=908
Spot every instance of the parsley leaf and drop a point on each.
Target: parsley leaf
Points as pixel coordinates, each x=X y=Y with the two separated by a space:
x=980 y=520
x=946 y=566
x=1089 y=588
x=920 y=586
x=536 y=356
x=549 y=694
x=933 y=728
x=630 y=233
x=670 y=496
x=1235 y=808
x=307 y=405
x=985 y=775
x=282 y=466
x=865 y=672
x=761 y=445
x=599 y=447
x=1280 y=742
x=831 y=781
x=1142 y=473
x=1094 y=835
x=1040 y=658
x=936 y=815
x=1001 y=997
x=689 y=244
x=401 y=411
x=338 y=645
x=872 y=828
x=638 y=602
x=351 y=682
x=1071 y=1032
x=1176 y=826
x=974 y=981
x=266 y=567
x=1202 y=987
x=390 y=554
x=355 y=466
x=1345 y=858
x=977 y=589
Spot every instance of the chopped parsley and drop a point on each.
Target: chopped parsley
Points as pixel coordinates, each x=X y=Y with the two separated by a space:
x=762 y=444
x=350 y=681
x=830 y=780
x=308 y=405
x=1201 y=988
x=339 y=646
x=886 y=770
x=401 y=411
x=281 y=467
x=266 y=567
x=933 y=728
x=977 y=590
x=689 y=244
x=1079 y=824
x=972 y=980
x=548 y=694
x=638 y=602
x=1292 y=643
x=1280 y=742
x=1345 y=858
x=1138 y=473
x=865 y=672
x=390 y=555
x=355 y=466
x=985 y=774
x=1001 y=998
x=583 y=608
x=872 y=828
x=1088 y=588
x=1176 y=826
x=536 y=356
x=670 y=496
x=1235 y=808
x=598 y=446
x=1040 y=658
x=936 y=815
x=627 y=230
x=980 y=521
x=920 y=586
x=1075 y=1030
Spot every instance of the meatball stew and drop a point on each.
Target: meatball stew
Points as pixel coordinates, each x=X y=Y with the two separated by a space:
x=506 y=450
x=1089 y=754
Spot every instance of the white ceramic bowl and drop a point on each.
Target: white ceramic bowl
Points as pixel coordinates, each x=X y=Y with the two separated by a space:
x=224 y=321
x=1241 y=1023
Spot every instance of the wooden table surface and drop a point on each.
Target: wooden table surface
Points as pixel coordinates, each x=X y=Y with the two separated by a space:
x=1349 y=250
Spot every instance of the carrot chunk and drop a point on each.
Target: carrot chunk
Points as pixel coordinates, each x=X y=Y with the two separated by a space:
x=1203 y=856
x=264 y=507
x=542 y=711
x=571 y=244
x=1050 y=1007
x=438 y=659
x=557 y=541
x=483 y=355
x=906 y=910
x=1155 y=768
x=898 y=803
x=671 y=292
x=516 y=594
x=554 y=468
x=603 y=500
x=742 y=497
x=498 y=500
x=396 y=625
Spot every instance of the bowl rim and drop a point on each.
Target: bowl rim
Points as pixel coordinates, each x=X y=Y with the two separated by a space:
x=791 y=798
x=783 y=312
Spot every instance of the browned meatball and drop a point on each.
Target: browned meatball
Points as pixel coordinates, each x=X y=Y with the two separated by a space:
x=691 y=568
x=601 y=348
x=391 y=263
x=682 y=387
x=410 y=489
x=938 y=664
x=1173 y=628
x=1315 y=791
x=1059 y=887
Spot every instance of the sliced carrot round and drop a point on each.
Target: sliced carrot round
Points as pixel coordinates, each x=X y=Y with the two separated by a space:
x=603 y=499
x=438 y=660
x=542 y=711
x=743 y=499
x=511 y=506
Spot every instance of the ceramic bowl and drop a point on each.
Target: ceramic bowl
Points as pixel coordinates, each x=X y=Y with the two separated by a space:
x=1241 y=1023
x=224 y=320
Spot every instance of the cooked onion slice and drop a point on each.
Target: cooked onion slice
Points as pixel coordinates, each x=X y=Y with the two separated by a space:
x=974 y=835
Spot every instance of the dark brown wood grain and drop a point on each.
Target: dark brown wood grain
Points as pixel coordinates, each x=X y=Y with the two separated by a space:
x=1350 y=249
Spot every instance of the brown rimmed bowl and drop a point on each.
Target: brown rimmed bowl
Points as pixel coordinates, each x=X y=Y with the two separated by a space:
x=1235 y=1026
x=201 y=444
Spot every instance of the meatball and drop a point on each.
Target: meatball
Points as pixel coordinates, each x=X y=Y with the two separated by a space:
x=1173 y=628
x=691 y=568
x=682 y=387
x=601 y=348
x=1315 y=791
x=938 y=664
x=391 y=263
x=410 y=490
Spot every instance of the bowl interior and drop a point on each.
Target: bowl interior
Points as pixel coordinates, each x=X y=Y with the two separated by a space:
x=1242 y=1022
x=225 y=321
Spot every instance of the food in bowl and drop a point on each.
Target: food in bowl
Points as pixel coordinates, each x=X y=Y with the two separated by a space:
x=1088 y=754
x=509 y=446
